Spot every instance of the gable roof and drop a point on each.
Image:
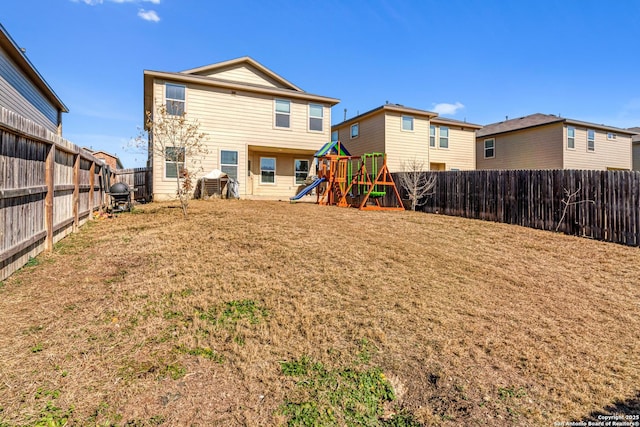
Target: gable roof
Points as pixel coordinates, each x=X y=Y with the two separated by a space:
x=535 y=120
x=396 y=108
x=18 y=56
x=194 y=76
x=247 y=61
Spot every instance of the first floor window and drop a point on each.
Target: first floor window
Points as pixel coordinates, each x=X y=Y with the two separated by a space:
x=174 y=99
x=173 y=161
x=571 y=137
x=229 y=163
x=355 y=130
x=432 y=136
x=407 y=123
x=283 y=113
x=267 y=170
x=444 y=137
x=591 y=140
x=334 y=135
x=315 y=117
x=302 y=171
x=489 y=148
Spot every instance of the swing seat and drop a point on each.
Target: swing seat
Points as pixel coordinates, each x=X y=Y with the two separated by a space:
x=376 y=194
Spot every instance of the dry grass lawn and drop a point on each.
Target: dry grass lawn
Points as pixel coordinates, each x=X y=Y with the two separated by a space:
x=150 y=319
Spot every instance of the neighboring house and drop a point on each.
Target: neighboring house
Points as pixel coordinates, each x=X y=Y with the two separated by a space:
x=260 y=128
x=408 y=134
x=110 y=160
x=544 y=141
x=635 y=141
x=24 y=91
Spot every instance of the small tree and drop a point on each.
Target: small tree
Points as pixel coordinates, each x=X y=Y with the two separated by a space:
x=416 y=182
x=176 y=140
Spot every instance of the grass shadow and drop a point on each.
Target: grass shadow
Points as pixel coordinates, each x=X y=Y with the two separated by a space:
x=630 y=406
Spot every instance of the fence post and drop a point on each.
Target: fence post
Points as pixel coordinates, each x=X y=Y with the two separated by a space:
x=49 y=198
x=76 y=192
x=92 y=177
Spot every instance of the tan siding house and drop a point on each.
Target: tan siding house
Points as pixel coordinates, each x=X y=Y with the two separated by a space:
x=635 y=141
x=404 y=135
x=542 y=141
x=259 y=127
x=24 y=91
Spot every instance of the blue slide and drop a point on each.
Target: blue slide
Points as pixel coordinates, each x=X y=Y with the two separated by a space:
x=307 y=189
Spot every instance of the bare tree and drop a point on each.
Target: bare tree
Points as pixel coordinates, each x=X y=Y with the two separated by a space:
x=179 y=142
x=416 y=182
x=570 y=202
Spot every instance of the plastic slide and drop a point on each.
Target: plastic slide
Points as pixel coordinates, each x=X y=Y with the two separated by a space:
x=307 y=189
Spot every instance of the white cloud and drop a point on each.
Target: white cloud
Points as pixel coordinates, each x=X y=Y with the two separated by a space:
x=149 y=15
x=448 y=109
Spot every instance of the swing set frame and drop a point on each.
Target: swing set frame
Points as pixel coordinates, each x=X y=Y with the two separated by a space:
x=371 y=187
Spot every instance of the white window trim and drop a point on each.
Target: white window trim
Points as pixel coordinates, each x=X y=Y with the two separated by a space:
x=237 y=165
x=611 y=136
x=309 y=118
x=594 y=141
x=434 y=136
x=275 y=171
x=351 y=131
x=275 y=112
x=413 y=124
x=167 y=100
x=164 y=167
x=294 y=169
x=574 y=138
x=494 y=148
x=440 y=147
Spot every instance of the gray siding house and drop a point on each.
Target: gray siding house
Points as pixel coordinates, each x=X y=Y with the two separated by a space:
x=24 y=91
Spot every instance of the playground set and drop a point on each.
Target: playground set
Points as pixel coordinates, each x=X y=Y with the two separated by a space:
x=362 y=182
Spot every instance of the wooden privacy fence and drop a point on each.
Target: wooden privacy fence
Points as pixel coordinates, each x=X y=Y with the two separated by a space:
x=48 y=188
x=139 y=179
x=605 y=204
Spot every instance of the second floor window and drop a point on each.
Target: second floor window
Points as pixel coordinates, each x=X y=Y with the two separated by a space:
x=283 y=113
x=407 y=123
x=489 y=148
x=444 y=137
x=315 y=117
x=432 y=136
x=174 y=99
x=571 y=138
x=355 y=130
x=334 y=135
x=591 y=140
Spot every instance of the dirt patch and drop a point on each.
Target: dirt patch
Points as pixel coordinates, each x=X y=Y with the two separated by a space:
x=155 y=319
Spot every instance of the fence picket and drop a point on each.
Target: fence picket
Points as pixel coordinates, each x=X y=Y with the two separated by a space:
x=606 y=203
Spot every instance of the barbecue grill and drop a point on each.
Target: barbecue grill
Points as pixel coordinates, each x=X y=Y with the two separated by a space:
x=120 y=197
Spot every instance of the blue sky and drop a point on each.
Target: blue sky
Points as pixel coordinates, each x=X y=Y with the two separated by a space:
x=479 y=60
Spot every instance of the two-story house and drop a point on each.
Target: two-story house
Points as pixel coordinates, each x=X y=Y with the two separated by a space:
x=24 y=91
x=545 y=141
x=408 y=134
x=635 y=141
x=260 y=128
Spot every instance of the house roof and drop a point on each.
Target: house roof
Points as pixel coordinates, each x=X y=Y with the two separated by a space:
x=193 y=76
x=97 y=153
x=453 y=122
x=535 y=120
x=635 y=138
x=240 y=61
x=396 y=108
x=18 y=56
